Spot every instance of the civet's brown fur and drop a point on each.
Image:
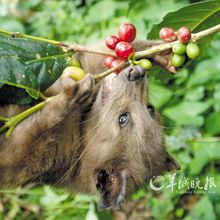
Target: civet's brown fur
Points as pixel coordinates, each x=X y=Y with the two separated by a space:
x=76 y=142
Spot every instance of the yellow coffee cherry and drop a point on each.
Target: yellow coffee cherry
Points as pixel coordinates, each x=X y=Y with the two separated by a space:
x=74 y=72
x=74 y=62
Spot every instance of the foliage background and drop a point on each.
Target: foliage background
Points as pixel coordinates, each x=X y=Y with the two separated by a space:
x=189 y=104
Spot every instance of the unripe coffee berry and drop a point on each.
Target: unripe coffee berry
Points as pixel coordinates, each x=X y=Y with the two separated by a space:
x=74 y=62
x=192 y=50
x=146 y=64
x=116 y=63
x=75 y=73
x=179 y=48
x=111 y=42
x=184 y=35
x=108 y=61
x=124 y=50
x=127 y=32
x=167 y=34
x=177 y=60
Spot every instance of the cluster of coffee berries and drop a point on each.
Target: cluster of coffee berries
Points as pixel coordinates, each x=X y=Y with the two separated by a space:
x=168 y=34
x=182 y=47
x=74 y=69
x=182 y=51
x=120 y=44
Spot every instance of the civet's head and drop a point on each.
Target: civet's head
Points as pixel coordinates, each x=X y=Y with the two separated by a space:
x=124 y=145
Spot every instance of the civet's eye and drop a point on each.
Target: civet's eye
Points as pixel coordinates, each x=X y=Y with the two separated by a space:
x=123 y=119
x=151 y=110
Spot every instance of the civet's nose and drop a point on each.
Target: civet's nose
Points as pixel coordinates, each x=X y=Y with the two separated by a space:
x=135 y=73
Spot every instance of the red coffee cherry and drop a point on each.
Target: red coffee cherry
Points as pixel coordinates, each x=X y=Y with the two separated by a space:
x=167 y=34
x=112 y=41
x=124 y=50
x=184 y=35
x=127 y=32
x=108 y=61
x=116 y=63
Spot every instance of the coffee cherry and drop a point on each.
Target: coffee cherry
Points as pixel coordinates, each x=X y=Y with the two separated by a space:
x=167 y=34
x=74 y=62
x=177 y=60
x=127 y=32
x=179 y=48
x=184 y=35
x=112 y=41
x=108 y=61
x=146 y=64
x=192 y=50
x=75 y=73
x=124 y=50
x=116 y=63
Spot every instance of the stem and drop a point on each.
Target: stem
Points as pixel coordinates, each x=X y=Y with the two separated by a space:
x=20 y=35
x=201 y=34
x=10 y=123
x=107 y=72
x=153 y=50
x=207 y=139
x=70 y=46
x=80 y=48
x=3 y=118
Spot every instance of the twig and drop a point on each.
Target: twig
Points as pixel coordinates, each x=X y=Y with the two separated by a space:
x=201 y=34
x=79 y=48
x=206 y=139
x=107 y=72
x=20 y=35
x=10 y=123
x=70 y=46
x=3 y=119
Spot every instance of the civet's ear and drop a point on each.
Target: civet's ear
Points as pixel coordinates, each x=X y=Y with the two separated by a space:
x=161 y=58
x=171 y=163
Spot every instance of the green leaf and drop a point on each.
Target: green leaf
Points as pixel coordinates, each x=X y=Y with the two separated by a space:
x=195 y=94
x=216 y=96
x=204 y=74
x=158 y=95
x=203 y=210
x=212 y=123
x=204 y=152
x=187 y=113
x=198 y=16
x=27 y=65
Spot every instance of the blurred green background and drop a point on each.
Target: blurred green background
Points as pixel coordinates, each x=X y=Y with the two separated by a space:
x=189 y=104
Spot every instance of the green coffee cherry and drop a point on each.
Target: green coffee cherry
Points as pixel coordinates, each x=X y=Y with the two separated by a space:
x=192 y=50
x=177 y=60
x=74 y=72
x=74 y=62
x=179 y=48
x=146 y=64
